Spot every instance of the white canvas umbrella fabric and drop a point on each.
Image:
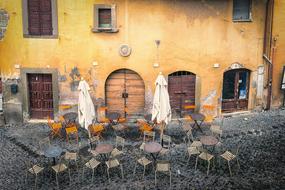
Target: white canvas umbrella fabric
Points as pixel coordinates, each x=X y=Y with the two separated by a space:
x=161 y=110
x=86 y=111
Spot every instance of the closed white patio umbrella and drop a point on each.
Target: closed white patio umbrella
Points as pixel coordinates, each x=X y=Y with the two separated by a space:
x=161 y=110
x=86 y=111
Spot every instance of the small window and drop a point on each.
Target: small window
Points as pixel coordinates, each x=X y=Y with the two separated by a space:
x=241 y=10
x=105 y=18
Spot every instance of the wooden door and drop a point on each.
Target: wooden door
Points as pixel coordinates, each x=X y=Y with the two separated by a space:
x=181 y=89
x=125 y=89
x=41 y=95
x=235 y=90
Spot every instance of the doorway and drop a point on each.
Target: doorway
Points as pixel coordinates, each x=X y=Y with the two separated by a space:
x=235 y=90
x=40 y=96
x=125 y=90
x=181 y=89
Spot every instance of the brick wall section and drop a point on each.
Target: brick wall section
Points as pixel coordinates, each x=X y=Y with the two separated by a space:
x=4 y=17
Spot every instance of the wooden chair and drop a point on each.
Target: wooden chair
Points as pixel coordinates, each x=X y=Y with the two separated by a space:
x=91 y=164
x=162 y=167
x=144 y=126
x=120 y=142
x=71 y=129
x=114 y=163
x=55 y=128
x=143 y=161
x=96 y=130
x=228 y=156
x=59 y=168
x=124 y=119
x=207 y=157
x=192 y=150
x=34 y=170
x=102 y=115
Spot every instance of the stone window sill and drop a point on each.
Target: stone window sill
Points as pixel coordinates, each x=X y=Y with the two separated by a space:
x=106 y=30
x=41 y=36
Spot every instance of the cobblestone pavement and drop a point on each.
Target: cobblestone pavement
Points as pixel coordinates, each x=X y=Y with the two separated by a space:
x=262 y=139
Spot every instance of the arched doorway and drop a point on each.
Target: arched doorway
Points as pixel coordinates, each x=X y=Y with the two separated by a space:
x=235 y=90
x=181 y=89
x=124 y=88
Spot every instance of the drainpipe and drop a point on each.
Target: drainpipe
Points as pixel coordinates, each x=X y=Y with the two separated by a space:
x=269 y=60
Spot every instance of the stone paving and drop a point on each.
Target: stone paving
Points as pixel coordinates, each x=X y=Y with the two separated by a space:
x=262 y=160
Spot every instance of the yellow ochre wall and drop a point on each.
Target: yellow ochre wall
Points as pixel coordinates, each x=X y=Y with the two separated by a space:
x=278 y=33
x=194 y=36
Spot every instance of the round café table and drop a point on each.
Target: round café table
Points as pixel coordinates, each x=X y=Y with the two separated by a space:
x=209 y=141
x=104 y=150
x=198 y=119
x=153 y=148
x=53 y=151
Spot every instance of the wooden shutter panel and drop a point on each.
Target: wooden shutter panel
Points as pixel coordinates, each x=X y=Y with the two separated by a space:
x=34 y=17
x=46 y=17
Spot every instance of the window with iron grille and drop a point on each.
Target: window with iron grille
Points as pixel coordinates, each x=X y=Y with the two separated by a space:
x=40 y=18
x=105 y=18
x=242 y=10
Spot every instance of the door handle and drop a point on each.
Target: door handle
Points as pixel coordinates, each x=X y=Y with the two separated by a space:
x=125 y=95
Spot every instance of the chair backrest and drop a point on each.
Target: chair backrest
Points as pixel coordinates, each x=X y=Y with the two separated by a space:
x=166 y=141
x=120 y=141
x=94 y=140
x=190 y=135
x=44 y=143
x=217 y=133
x=238 y=149
x=148 y=134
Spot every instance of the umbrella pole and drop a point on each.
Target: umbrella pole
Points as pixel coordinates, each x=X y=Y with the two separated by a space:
x=161 y=132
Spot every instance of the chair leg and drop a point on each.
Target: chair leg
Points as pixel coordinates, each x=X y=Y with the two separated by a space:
x=92 y=175
x=188 y=159
x=196 y=162
x=135 y=169
x=155 y=178
x=36 y=181
x=143 y=171
x=230 y=168
x=238 y=163
x=170 y=178
x=83 y=174
x=56 y=178
x=26 y=176
x=108 y=175
x=69 y=175
x=208 y=167
x=122 y=172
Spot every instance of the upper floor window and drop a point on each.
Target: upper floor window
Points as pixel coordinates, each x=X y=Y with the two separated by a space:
x=39 y=18
x=105 y=18
x=241 y=10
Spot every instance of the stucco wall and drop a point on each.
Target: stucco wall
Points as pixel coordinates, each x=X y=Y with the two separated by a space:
x=279 y=57
x=194 y=36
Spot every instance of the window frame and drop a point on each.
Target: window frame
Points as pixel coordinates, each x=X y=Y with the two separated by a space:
x=25 y=18
x=243 y=20
x=96 y=28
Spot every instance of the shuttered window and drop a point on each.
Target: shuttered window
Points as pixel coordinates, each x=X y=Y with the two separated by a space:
x=105 y=18
x=241 y=10
x=40 y=17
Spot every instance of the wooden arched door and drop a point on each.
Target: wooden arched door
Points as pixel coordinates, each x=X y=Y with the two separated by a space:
x=124 y=88
x=181 y=89
x=235 y=90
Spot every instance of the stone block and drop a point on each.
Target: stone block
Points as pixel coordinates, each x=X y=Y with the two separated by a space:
x=13 y=112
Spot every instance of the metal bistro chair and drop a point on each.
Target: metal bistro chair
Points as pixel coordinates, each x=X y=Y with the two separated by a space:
x=192 y=150
x=34 y=170
x=143 y=161
x=120 y=142
x=114 y=163
x=190 y=139
x=207 y=157
x=59 y=168
x=147 y=135
x=162 y=167
x=91 y=164
x=228 y=156
x=166 y=145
